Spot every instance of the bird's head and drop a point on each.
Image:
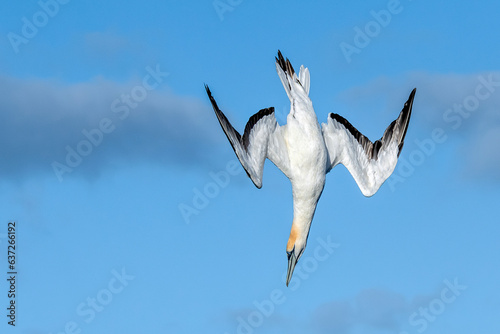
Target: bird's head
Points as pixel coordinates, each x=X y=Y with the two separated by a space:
x=294 y=249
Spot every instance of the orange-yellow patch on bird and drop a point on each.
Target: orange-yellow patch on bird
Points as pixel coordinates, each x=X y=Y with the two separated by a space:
x=294 y=233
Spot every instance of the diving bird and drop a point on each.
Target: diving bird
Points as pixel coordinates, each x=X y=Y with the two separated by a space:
x=305 y=151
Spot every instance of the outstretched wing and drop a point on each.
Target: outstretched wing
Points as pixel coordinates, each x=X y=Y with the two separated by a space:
x=369 y=163
x=261 y=139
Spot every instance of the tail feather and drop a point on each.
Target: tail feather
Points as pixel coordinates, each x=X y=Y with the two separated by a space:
x=304 y=78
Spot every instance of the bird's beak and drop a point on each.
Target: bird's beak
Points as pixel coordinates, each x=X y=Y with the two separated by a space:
x=292 y=261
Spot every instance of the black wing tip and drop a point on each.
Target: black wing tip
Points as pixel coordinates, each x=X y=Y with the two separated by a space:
x=285 y=64
x=280 y=60
x=409 y=102
x=406 y=114
x=280 y=55
x=207 y=89
x=212 y=100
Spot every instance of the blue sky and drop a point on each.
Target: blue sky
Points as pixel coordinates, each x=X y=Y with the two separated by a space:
x=133 y=215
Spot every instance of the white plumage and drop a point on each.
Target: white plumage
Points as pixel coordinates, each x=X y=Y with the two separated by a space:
x=305 y=151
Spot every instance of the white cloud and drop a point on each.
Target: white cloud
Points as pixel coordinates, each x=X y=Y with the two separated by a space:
x=483 y=155
x=370 y=311
x=39 y=119
x=373 y=308
x=105 y=43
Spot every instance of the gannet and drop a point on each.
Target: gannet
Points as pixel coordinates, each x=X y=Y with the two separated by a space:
x=305 y=151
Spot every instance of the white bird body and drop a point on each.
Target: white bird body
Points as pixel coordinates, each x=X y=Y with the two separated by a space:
x=308 y=156
x=305 y=151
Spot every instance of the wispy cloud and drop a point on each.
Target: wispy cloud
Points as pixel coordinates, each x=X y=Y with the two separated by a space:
x=39 y=119
x=377 y=310
x=374 y=308
x=483 y=155
x=370 y=311
x=105 y=43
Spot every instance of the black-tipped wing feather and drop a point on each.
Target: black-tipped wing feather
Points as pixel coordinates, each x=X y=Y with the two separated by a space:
x=288 y=76
x=261 y=139
x=285 y=65
x=369 y=163
x=252 y=122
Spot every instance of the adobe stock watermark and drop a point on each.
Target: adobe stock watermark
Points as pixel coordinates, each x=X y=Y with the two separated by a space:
x=307 y=265
x=421 y=318
x=211 y=189
x=372 y=29
x=30 y=26
x=121 y=107
x=455 y=116
x=87 y=310
x=223 y=6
